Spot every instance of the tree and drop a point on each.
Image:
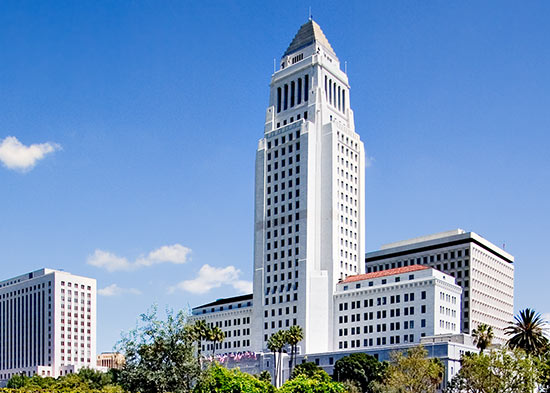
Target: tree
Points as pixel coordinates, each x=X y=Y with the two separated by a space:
x=319 y=383
x=216 y=335
x=264 y=376
x=218 y=379
x=275 y=344
x=17 y=381
x=95 y=379
x=198 y=332
x=159 y=355
x=527 y=333
x=498 y=371
x=412 y=373
x=309 y=369
x=294 y=335
x=360 y=368
x=483 y=336
x=87 y=381
x=543 y=365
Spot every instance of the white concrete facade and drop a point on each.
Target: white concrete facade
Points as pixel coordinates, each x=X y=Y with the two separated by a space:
x=233 y=317
x=309 y=195
x=484 y=271
x=395 y=306
x=47 y=324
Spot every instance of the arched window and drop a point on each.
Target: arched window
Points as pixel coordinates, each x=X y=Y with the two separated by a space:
x=299 y=98
x=278 y=99
x=330 y=91
x=292 y=93
x=339 y=99
x=326 y=88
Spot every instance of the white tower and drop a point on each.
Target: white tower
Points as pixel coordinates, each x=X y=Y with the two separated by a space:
x=309 y=195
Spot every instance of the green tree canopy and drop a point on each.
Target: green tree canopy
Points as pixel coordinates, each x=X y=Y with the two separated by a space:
x=86 y=381
x=483 y=336
x=412 y=372
x=159 y=355
x=309 y=369
x=218 y=379
x=526 y=332
x=360 y=368
x=498 y=371
x=315 y=384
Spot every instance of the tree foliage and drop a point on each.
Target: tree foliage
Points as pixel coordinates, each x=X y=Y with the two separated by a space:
x=218 y=379
x=275 y=344
x=498 y=371
x=159 y=355
x=86 y=381
x=360 y=368
x=483 y=336
x=308 y=369
x=412 y=372
x=319 y=383
x=543 y=366
x=294 y=335
x=526 y=332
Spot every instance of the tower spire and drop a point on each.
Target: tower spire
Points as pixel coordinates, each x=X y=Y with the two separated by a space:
x=308 y=33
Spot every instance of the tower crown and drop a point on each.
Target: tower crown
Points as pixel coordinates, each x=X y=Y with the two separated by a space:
x=308 y=41
x=309 y=33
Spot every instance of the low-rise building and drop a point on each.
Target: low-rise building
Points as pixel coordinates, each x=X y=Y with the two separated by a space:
x=110 y=360
x=233 y=316
x=395 y=306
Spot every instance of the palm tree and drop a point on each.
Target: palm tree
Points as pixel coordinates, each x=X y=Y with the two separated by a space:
x=294 y=335
x=216 y=335
x=275 y=344
x=483 y=335
x=527 y=333
x=200 y=332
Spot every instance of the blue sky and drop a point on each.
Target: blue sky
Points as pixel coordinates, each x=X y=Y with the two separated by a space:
x=146 y=117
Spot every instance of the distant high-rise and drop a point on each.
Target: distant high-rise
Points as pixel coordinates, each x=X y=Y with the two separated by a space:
x=47 y=324
x=309 y=194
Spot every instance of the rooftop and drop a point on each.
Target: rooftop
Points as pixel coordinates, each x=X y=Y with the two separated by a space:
x=384 y=273
x=420 y=239
x=307 y=35
x=226 y=300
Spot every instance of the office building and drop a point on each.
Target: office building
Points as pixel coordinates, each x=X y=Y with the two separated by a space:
x=484 y=271
x=309 y=224
x=47 y=324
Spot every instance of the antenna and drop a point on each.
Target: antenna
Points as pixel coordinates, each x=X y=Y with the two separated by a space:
x=310 y=17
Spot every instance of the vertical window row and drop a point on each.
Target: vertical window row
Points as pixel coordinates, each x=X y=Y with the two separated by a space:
x=335 y=94
x=291 y=95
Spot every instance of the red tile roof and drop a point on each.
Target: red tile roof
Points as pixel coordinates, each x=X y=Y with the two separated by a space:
x=384 y=273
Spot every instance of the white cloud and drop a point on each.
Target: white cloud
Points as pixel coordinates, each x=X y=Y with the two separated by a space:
x=115 y=290
x=210 y=277
x=17 y=156
x=175 y=253
x=109 y=261
x=243 y=286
